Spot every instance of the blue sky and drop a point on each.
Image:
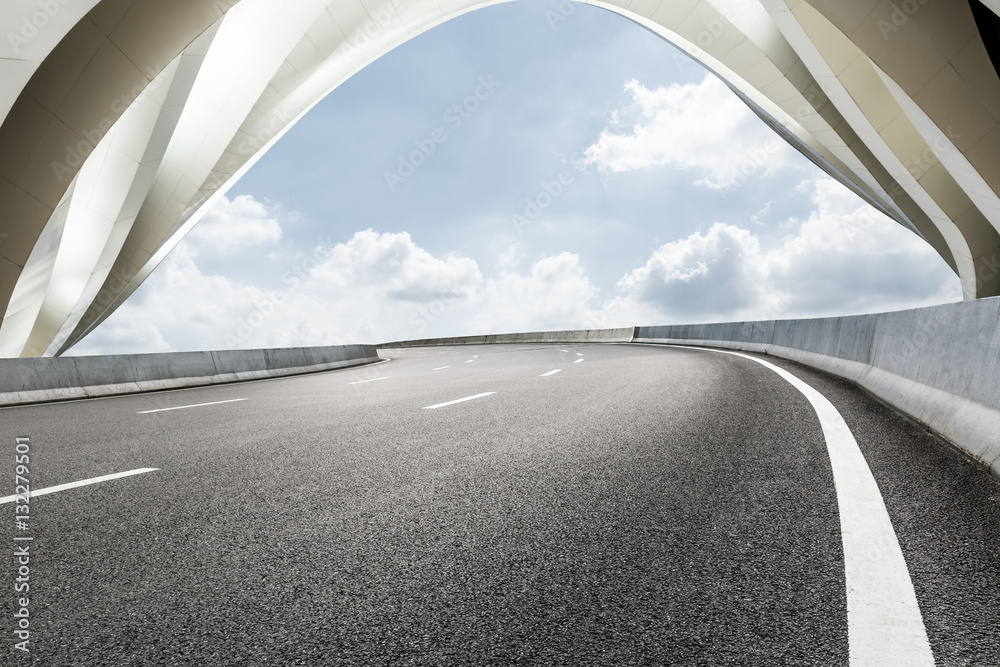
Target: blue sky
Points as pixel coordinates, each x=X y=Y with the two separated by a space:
x=594 y=181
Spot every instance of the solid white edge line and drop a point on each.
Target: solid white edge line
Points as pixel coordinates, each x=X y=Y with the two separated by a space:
x=441 y=368
x=550 y=373
x=459 y=400
x=884 y=623
x=196 y=405
x=73 y=485
x=384 y=377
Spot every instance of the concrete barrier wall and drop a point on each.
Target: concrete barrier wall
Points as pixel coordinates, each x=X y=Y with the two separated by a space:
x=940 y=365
x=578 y=336
x=59 y=378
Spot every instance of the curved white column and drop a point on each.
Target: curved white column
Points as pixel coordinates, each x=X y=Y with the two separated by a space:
x=227 y=96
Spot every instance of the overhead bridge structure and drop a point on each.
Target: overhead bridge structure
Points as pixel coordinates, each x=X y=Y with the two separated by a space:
x=123 y=120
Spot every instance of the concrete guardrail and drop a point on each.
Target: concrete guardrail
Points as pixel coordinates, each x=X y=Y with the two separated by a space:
x=60 y=378
x=940 y=365
x=577 y=336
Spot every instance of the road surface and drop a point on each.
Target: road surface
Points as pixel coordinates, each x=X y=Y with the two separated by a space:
x=584 y=505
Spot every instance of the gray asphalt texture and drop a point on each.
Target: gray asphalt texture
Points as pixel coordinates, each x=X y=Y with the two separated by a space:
x=648 y=506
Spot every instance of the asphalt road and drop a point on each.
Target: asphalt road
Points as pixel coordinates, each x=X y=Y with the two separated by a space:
x=641 y=506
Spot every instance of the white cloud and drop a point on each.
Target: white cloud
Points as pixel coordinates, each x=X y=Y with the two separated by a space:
x=232 y=225
x=700 y=127
x=395 y=266
x=555 y=294
x=177 y=308
x=373 y=288
x=844 y=258
x=706 y=274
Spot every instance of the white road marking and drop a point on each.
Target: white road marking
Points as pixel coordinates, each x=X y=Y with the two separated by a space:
x=196 y=405
x=564 y=350
x=82 y=482
x=440 y=368
x=578 y=361
x=550 y=373
x=384 y=377
x=884 y=624
x=579 y=354
x=460 y=400
x=470 y=361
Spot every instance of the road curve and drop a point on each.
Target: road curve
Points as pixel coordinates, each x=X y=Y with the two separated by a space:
x=490 y=505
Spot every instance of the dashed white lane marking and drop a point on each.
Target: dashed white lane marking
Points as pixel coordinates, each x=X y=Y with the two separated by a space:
x=578 y=361
x=82 y=482
x=384 y=377
x=459 y=400
x=579 y=354
x=884 y=624
x=469 y=361
x=564 y=350
x=440 y=368
x=184 y=407
x=550 y=373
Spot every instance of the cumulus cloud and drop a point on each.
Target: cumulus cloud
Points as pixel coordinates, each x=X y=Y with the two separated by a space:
x=844 y=258
x=177 y=308
x=705 y=274
x=554 y=294
x=703 y=128
x=232 y=225
x=395 y=266
x=373 y=288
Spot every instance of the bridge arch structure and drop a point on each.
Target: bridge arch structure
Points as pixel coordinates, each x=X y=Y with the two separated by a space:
x=124 y=120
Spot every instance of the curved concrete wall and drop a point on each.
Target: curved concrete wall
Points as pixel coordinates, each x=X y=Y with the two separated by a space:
x=940 y=365
x=59 y=378
x=577 y=336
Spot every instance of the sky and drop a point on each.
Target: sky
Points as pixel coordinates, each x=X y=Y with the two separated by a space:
x=529 y=166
